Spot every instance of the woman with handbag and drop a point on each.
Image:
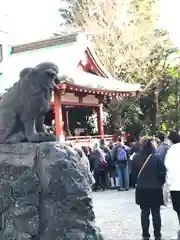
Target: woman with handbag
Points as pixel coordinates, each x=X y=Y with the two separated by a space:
x=149 y=172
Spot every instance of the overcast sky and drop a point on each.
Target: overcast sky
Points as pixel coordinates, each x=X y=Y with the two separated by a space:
x=30 y=19
x=34 y=19
x=170 y=18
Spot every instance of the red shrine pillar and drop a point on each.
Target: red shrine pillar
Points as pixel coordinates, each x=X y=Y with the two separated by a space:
x=58 y=116
x=101 y=120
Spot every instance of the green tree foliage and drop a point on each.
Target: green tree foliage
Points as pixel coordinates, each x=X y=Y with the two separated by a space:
x=170 y=101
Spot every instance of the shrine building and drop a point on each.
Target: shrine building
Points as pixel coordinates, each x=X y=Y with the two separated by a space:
x=84 y=87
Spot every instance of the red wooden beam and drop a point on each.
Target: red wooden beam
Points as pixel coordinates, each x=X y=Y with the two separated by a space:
x=80 y=104
x=58 y=115
x=101 y=120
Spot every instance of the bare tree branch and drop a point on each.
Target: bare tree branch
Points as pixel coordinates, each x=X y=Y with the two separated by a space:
x=125 y=37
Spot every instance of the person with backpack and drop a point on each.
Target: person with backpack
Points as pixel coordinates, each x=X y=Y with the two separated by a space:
x=149 y=174
x=120 y=157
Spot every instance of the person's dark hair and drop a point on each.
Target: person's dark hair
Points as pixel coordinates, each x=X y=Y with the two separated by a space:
x=111 y=145
x=146 y=145
x=85 y=150
x=174 y=137
x=106 y=149
x=161 y=136
x=70 y=144
x=79 y=151
x=102 y=142
x=117 y=138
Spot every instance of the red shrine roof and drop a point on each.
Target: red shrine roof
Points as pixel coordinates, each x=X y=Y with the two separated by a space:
x=90 y=76
x=80 y=81
x=93 y=64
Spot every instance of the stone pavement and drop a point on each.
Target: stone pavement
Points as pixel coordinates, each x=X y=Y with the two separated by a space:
x=119 y=217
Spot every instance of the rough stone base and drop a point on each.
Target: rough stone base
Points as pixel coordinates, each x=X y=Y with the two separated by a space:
x=45 y=193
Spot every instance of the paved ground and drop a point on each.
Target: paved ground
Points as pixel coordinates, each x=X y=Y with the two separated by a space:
x=119 y=217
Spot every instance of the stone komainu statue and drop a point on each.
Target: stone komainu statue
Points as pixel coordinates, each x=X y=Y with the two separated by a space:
x=23 y=107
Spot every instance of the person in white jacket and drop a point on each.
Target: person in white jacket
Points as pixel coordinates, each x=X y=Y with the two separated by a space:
x=172 y=163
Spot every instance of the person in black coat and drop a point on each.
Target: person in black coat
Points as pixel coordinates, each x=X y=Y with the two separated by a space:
x=135 y=148
x=149 y=173
x=99 y=167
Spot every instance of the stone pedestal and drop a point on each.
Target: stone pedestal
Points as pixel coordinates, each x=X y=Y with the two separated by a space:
x=45 y=193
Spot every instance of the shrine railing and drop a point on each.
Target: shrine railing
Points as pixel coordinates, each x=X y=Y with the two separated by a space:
x=86 y=140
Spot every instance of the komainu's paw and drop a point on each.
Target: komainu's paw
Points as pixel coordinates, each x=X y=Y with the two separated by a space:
x=37 y=138
x=47 y=138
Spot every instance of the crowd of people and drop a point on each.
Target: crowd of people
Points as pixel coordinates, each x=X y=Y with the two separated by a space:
x=151 y=166
x=111 y=164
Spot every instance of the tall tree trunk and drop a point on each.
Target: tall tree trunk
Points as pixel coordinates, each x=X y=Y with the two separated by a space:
x=116 y=122
x=153 y=120
x=153 y=113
